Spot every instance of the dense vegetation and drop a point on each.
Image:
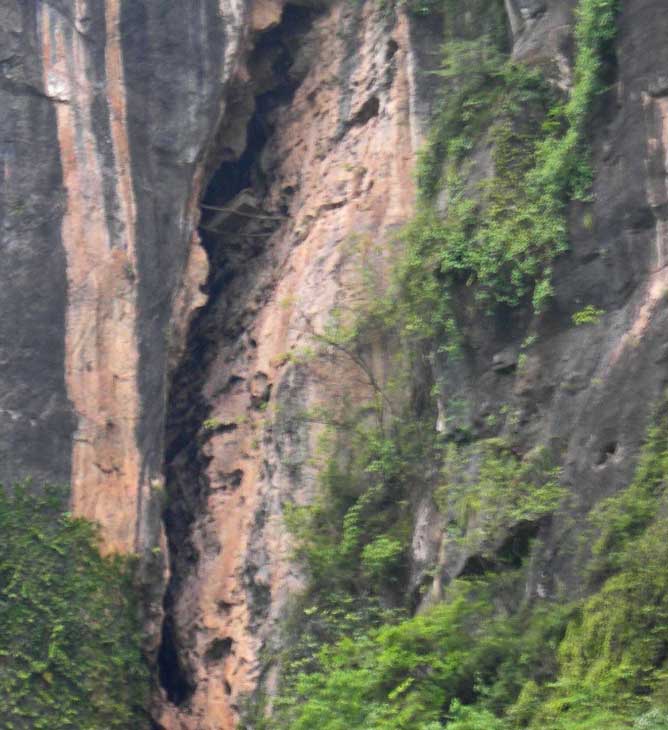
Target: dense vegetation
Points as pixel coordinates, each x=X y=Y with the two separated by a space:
x=69 y=634
x=484 y=659
x=357 y=656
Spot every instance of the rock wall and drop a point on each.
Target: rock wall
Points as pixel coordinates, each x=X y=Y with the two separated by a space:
x=116 y=115
x=109 y=112
x=331 y=163
x=134 y=361
x=586 y=392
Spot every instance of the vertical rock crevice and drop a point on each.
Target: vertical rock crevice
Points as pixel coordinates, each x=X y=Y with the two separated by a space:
x=234 y=230
x=304 y=163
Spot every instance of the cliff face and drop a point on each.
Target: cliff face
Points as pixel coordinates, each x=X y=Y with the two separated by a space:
x=588 y=392
x=152 y=351
x=329 y=157
x=109 y=112
x=115 y=116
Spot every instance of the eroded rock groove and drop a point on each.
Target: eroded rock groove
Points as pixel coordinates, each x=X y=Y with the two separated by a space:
x=234 y=231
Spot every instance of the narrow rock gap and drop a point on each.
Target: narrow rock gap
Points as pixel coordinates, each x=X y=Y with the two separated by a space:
x=175 y=682
x=234 y=231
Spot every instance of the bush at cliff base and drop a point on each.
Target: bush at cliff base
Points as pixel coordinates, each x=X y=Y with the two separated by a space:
x=69 y=639
x=481 y=661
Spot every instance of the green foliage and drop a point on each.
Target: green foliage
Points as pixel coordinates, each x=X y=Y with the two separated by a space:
x=353 y=659
x=353 y=540
x=626 y=516
x=482 y=504
x=423 y=7
x=211 y=424
x=655 y=719
x=381 y=558
x=612 y=661
x=409 y=676
x=587 y=315
x=395 y=677
x=358 y=526
x=613 y=658
x=69 y=634
x=491 y=236
x=501 y=235
x=481 y=660
x=467 y=717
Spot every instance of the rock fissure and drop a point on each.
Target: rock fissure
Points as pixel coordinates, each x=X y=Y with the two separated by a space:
x=234 y=228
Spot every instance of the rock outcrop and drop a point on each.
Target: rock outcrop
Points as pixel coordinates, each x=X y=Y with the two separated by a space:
x=331 y=163
x=109 y=111
x=147 y=359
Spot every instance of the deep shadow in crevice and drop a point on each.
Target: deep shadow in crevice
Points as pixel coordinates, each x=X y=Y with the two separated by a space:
x=218 y=650
x=232 y=177
x=509 y=555
x=230 y=249
x=367 y=112
x=173 y=679
x=607 y=452
x=280 y=45
x=517 y=546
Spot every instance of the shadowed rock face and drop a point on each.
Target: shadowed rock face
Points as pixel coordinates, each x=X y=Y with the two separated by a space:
x=36 y=418
x=109 y=110
x=588 y=392
x=120 y=376
x=114 y=115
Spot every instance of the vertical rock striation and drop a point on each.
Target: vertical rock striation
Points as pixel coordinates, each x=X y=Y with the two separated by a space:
x=36 y=418
x=123 y=99
x=115 y=115
x=98 y=230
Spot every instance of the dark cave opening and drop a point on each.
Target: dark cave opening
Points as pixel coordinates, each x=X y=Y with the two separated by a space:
x=219 y=649
x=607 y=452
x=510 y=554
x=280 y=45
x=173 y=679
x=233 y=176
x=232 y=241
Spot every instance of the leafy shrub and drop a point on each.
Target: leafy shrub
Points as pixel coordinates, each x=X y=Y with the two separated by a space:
x=211 y=424
x=612 y=660
x=588 y=315
x=503 y=491
x=613 y=656
x=477 y=662
x=414 y=674
x=655 y=719
x=626 y=516
x=381 y=557
x=467 y=717
x=69 y=634
x=359 y=499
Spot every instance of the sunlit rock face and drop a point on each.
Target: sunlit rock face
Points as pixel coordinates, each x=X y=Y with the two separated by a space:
x=332 y=133
x=116 y=115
